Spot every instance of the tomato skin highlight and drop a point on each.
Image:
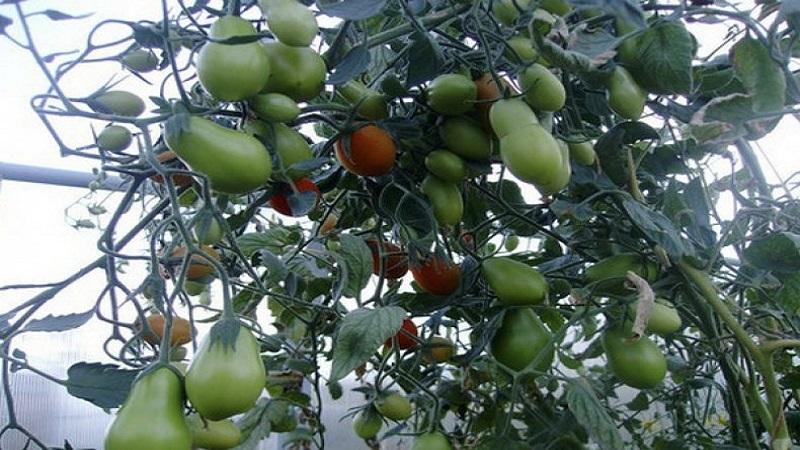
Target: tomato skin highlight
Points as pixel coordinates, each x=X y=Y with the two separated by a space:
x=234 y=162
x=232 y=72
x=404 y=339
x=396 y=262
x=465 y=137
x=371 y=152
x=519 y=340
x=452 y=94
x=152 y=415
x=223 y=381
x=437 y=275
x=280 y=202
x=298 y=72
x=394 y=406
x=291 y=22
x=448 y=206
x=431 y=441
x=637 y=363
x=514 y=283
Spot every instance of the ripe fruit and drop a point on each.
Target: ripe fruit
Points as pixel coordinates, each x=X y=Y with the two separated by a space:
x=114 y=138
x=638 y=363
x=211 y=435
x=225 y=379
x=394 y=406
x=405 y=337
x=232 y=72
x=465 y=137
x=451 y=94
x=199 y=267
x=280 y=202
x=152 y=416
x=181 y=332
x=543 y=90
x=298 y=72
x=625 y=97
x=234 y=162
x=371 y=104
x=488 y=93
x=514 y=283
x=439 y=349
x=170 y=160
x=391 y=259
x=367 y=423
x=431 y=441
x=582 y=152
x=140 y=61
x=121 y=103
x=274 y=107
x=437 y=275
x=369 y=151
x=446 y=166
x=448 y=207
x=520 y=339
x=291 y=22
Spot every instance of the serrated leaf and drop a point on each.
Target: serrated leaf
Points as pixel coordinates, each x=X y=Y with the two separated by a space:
x=255 y=425
x=760 y=75
x=272 y=239
x=360 y=334
x=424 y=59
x=657 y=227
x=351 y=9
x=590 y=413
x=355 y=62
x=105 y=385
x=665 y=53
x=779 y=252
x=356 y=256
x=59 y=323
x=596 y=43
x=610 y=148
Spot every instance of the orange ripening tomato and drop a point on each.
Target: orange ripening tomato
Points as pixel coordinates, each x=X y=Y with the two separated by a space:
x=181 y=332
x=395 y=263
x=437 y=275
x=405 y=337
x=198 y=266
x=169 y=158
x=488 y=91
x=280 y=202
x=371 y=152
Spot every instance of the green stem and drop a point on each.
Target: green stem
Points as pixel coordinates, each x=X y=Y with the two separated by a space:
x=429 y=22
x=751 y=163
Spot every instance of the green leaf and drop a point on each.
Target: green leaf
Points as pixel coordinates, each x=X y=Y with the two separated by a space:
x=788 y=295
x=273 y=239
x=355 y=256
x=59 y=323
x=424 y=59
x=351 y=9
x=105 y=385
x=355 y=62
x=779 y=252
x=657 y=227
x=361 y=332
x=665 y=53
x=58 y=15
x=596 y=43
x=626 y=10
x=255 y=425
x=759 y=73
x=590 y=413
x=611 y=152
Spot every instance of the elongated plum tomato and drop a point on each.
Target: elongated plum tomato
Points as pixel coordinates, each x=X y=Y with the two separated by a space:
x=291 y=22
x=560 y=179
x=394 y=406
x=405 y=337
x=446 y=166
x=638 y=363
x=280 y=201
x=290 y=146
x=507 y=11
x=208 y=231
x=625 y=96
x=114 y=138
x=531 y=154
x=488 y=93
x=181 y=332
x=523 y=48
x=371 y=103
x=234 y=162
x=437 y=275
x=452 y=94
x=369 y=151
x=509 y=115
x=140 y=60
x=664 y=318
x=395 y=262
x=445 y=197
x=298 y=72
x=274 y=107
x=152 y=416
x=367 y=423
x=199 y=267
x=434 y=440
x=543 y=90
x=224 y=379
x=213 y=435
x=609 y=273
x=233 y=72
x=520 y=339
x=582 y=152
x=121 y=103
x=514 y=283
x=465 y=137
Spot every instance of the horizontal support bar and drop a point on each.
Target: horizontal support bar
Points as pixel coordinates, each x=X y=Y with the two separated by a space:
x=60 y=177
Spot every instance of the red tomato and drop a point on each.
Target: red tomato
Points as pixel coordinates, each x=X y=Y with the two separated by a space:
x=405 y=337
x=280 y=202
x=395 y=263
x=437 y=275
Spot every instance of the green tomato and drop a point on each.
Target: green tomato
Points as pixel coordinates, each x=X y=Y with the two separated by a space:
x=394 y=406
x=232 y=72
x=506 y=12
x=609 y=273
x=290 y=146
x=152 y=416
x=638 y=363
x=628 y=50
x=211 y=435
x=531 y=154
x=121 y=103
x=225 y=380
x=298 y=72
x=446 y=166
x=520 y=339
x=465 y=137
x=371 y=104
x=511 y=243
x=291 y=22
x=208 y=230
x=445 y=197
x=583 y=153
x=509 y=115
x=114 y=138
x=452 y=94
x=557 y=7
x=194 y=288
x=523 y=48
x=543 y=90
x=514 y=283
x=664 y=318
x=625 y=96
x=234 y=162
x=561 y=178
x=274 y=107
x=431 y=441
x=368 y=423
x=140 y=61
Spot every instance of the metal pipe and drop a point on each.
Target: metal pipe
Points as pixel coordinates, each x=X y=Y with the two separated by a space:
x=60 y=177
